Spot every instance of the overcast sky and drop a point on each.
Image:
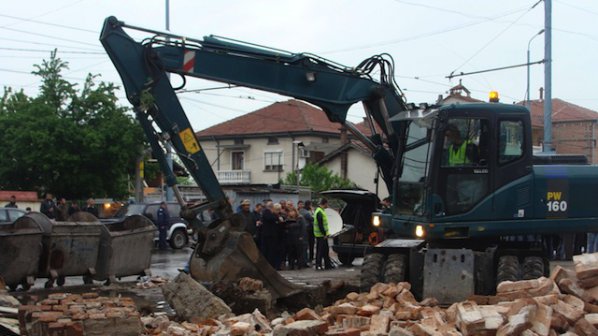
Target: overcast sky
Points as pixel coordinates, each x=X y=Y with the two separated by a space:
x=428 y=39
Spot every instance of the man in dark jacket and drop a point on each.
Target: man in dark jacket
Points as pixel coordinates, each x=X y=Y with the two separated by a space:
x=162 y=220
x=48 y=207
x=12 y=203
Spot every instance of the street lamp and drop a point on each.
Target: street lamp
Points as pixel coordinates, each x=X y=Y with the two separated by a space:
x=528 y=45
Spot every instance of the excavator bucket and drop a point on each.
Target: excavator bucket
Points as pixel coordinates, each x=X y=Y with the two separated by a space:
x=222 y=255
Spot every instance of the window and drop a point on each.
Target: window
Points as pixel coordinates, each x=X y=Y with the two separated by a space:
x=237 y=160
x=464 y=144
x=272 y=141
x=273 y=161
x=510 y=142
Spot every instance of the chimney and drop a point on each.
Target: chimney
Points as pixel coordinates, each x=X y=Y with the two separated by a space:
x=541 y=94
x=344 y=139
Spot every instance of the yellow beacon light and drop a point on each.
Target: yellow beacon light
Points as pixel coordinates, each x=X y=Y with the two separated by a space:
x=493 y=97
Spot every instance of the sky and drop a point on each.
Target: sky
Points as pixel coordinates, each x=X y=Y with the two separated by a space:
x=428 y=39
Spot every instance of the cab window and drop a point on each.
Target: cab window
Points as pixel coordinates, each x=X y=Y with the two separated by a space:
x=510 y=142
x=464 y=144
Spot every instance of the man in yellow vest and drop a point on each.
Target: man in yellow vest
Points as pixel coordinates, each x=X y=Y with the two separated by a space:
x=321 y=233
x=460 y=153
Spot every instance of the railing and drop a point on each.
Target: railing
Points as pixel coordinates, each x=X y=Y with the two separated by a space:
x=234 y=176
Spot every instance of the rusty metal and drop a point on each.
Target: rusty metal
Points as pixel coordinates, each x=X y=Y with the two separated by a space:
x=228 y=255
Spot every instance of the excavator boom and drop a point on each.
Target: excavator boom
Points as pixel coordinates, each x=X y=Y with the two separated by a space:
x=224 y=251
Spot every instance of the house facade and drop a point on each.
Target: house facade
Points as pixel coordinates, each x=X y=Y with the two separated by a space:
x=262 y=147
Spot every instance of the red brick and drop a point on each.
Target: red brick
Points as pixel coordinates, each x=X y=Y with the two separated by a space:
x=90 y=295
x=50 y=316
x=585 y=328
x=344 y=332
x=305 y=328
x=368 y=310
x=306 y=314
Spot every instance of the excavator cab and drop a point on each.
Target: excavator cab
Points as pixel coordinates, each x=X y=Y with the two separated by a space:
x=454 y=160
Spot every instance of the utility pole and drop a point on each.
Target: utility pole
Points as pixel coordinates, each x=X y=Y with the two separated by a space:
x=547 y=146
x=169 y=192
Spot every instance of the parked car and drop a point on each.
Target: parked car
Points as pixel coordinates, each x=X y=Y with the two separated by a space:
x=179 y=229
x=9 y=215
x=357 y=234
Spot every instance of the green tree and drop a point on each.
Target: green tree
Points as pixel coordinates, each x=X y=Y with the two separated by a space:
x=75 y=144
x=318 y=178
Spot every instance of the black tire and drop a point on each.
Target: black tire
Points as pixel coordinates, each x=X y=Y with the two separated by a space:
x=508 y=269
x=25 y=285
x=49 y=283
x=394 y=268
x=87 y=279
x=60 y=281
x=533 y=268
x=371 y=271
x=346 y=259
x=178 y=239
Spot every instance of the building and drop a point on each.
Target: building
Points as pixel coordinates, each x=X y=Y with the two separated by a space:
x=25 y=199
x=262 y=147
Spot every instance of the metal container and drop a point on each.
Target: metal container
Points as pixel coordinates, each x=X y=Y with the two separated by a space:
x=125 y=248
x=20 y=249
x=69 y=249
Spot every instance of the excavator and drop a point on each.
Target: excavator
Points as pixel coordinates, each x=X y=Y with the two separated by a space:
x=469 y=206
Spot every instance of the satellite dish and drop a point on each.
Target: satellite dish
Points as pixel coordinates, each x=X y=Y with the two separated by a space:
x=335 y=221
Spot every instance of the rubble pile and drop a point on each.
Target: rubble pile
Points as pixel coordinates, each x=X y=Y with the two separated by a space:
x=78 y=315
x=564 y=304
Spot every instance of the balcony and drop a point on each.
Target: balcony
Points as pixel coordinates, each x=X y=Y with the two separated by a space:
x=234 y=176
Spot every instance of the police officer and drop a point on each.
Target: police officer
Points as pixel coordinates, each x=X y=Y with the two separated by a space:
x=321 y=233
x=162 y=219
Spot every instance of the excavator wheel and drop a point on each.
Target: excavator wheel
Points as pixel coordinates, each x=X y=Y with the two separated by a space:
x=508 y=269
x=533 y=268
x=371 y=270
x=394 y=268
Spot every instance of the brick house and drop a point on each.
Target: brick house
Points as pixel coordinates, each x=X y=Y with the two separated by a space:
x=573 y=128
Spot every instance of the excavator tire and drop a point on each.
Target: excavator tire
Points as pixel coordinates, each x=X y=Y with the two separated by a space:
x=371 y=271
x=394 y=268
x=508 y=269
x=533 y=268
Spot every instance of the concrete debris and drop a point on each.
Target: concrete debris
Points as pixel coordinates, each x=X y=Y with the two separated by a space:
x=192 y=301
x=151 y=282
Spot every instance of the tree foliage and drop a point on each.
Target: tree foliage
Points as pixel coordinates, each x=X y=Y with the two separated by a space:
x=73 y=143
x=318 y=178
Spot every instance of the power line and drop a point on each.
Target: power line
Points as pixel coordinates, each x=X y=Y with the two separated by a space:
x=49 y=51
x=49 y=36
x=44 y=44
x=420 y=36
x=490 y=41
x=585 y=10
x=47 y=23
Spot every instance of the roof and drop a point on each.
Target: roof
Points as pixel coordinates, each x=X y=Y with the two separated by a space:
x=352 y=144
x=562 y=111
x=21 y=196
x=292 y=116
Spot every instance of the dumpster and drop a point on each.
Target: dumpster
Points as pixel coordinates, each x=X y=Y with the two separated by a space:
x=68 y=249
x=125 y=248
x=20 y=249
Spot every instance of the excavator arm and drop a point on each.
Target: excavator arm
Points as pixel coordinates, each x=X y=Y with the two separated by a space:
x=144 y=67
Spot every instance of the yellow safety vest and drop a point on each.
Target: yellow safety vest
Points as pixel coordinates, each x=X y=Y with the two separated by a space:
x=317 y=232
x=458 y=157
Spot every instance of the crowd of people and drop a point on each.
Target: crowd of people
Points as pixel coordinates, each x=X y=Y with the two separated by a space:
x=287 y=234
x=58 y=209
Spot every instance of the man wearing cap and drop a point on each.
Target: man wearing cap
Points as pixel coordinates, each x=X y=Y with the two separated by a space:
x=248 y=218
x=321 y=233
